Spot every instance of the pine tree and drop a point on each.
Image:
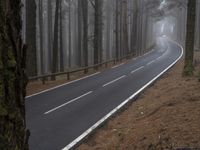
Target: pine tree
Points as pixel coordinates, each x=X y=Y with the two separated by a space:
x=31 y=37
x=13 y=133
x=190 y=35
x=98 y=31
x=55 y=42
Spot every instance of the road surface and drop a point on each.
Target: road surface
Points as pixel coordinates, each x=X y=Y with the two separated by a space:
x=60 y=117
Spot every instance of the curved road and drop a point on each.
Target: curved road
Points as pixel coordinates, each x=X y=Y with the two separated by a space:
x=60 y=117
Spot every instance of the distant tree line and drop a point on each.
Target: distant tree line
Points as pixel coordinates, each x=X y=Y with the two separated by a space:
x=65 y=34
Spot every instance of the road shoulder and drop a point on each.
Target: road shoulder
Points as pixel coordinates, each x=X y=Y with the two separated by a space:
x=164 y=116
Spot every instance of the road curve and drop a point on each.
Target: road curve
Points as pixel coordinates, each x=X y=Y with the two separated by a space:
x=60 y=117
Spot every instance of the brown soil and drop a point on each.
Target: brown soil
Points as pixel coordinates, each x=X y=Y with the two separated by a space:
x=165 y=116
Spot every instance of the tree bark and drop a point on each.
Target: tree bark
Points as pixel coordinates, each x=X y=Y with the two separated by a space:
x=125 y=28
x=108 y=30
x=31 y=61
x=85 y=31
x=55 y=41
x=61 y=40
x=41 y=36
x=134 y=32
x=190 y=35
x=79 y=51
x=117 y=30
x=13 y=132
x=70 y=36
x=98 y=31
x=50 y=40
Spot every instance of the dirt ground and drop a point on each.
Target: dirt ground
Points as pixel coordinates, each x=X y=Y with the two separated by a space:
x=165 y=116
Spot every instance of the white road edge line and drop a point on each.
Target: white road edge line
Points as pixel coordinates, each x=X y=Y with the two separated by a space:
x=151 y=62
x=87 y=132
x=62 y=85
x=137 y=70
x=117 y=66
x=71 y=101
x=113 y=81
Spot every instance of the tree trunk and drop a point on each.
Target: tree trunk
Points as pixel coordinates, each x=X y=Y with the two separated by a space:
x=50 y=34
x=108 y=31
x=61 y=40
x=98 y=32
x=41 y=35
x=31 y=61
x=79 y=51
x=134 y=32
x=70 y=36
x=85 y=31
x=117 y=29
x=13 y=133
x=125 y=28
x=121 y=30
x=190 y=35
x=55 y=42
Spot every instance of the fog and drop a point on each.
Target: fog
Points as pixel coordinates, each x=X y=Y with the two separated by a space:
x=121 y=28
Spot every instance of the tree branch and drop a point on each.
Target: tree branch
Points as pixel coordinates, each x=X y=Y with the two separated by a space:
x=92 y=3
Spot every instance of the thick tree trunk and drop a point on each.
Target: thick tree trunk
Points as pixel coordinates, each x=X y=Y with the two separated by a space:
x=13 y=133
x=31 y=61
x=190 y=35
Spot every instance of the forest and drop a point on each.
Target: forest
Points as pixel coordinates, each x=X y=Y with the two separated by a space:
x=42 y=39
x=66 y=34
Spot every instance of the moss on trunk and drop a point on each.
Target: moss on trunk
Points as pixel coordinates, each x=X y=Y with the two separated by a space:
x=13 y=133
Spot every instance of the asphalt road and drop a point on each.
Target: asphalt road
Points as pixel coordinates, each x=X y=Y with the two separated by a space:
x=60 y=117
